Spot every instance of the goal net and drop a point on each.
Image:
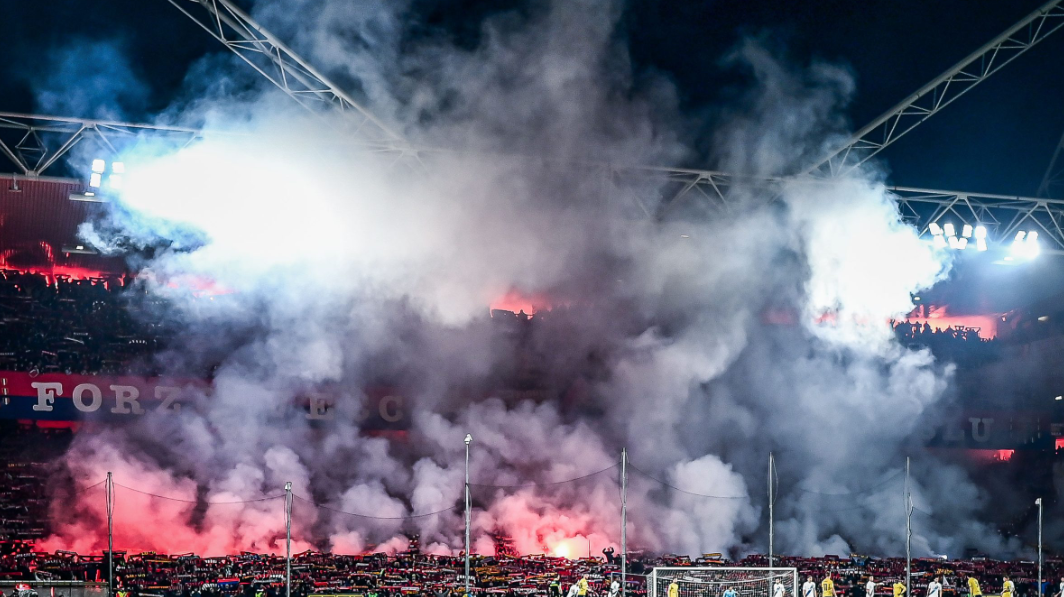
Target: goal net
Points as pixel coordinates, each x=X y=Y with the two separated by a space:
x=714 y=582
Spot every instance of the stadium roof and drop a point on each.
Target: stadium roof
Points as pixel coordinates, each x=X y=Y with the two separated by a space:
x=39 y=224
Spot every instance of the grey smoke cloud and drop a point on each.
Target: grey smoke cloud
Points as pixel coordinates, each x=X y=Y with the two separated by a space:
x=346 y=271
x=90 y=79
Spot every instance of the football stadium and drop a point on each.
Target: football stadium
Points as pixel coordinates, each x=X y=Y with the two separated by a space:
x=531 y=298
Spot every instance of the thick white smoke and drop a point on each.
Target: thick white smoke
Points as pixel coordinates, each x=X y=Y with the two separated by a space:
x=341 y=270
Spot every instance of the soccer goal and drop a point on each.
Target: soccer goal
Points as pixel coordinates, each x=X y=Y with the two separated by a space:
x=714 y=582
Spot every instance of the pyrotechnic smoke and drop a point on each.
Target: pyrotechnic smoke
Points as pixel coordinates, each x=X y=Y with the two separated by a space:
x=343 y=271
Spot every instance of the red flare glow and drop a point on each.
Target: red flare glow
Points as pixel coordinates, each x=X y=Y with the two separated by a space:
x=939 y=318
x=516 y=301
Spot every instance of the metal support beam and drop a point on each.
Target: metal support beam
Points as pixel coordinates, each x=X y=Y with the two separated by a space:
x=40 y=141
x=943 y=90
x=34 y=143
x=280 y=65
x=1054 y=176
x=1003 y=215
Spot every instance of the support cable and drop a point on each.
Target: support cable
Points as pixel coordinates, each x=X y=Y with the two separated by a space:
x=670 y=486
x=548 y=483
x=865 y=491
x=174 y=499
x=359 y=515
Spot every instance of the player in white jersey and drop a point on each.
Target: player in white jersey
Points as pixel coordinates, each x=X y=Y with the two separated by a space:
x=1008 y=588
x=870 y=587
x=809 y=587
x=615 y=588
x=573 y=590
x=934 y=588
x=778 y=590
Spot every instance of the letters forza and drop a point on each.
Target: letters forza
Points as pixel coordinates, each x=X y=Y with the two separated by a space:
x=61 y=397
x=126 y=398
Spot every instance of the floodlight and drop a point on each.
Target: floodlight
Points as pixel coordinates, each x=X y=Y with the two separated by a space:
x=1032 y=249
x=980 y=244
x=98 y=166
x=86 y=196
x=1059 y=398
x=980 y=232
x=1026 y=244
x=949 y=229
x=95 y=179
x=952 y=242
x=115 y=181
x=939 y=242
x=934 y=228
x=966 y=231
x=118 y=168
x=962 y=243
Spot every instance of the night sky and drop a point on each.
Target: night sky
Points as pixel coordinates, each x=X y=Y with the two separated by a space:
x=998 y=138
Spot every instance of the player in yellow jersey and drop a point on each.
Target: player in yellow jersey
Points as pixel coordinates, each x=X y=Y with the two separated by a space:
x=674 y=589
x=827 y=587
x=974 y=590
x=1007 y=588
x=582 y=591
x=899 y=589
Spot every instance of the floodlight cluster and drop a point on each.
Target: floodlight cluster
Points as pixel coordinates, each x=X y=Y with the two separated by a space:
x=1026 y=244
x=99 y=168
x=946 y=236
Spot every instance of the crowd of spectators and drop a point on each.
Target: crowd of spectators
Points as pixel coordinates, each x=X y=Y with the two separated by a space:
x=415 y=573
x=62 y=325
x=57 y=324
x=27 y=460
x=956 y=343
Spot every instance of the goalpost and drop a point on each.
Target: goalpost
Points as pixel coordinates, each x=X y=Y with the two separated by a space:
x=713 y=582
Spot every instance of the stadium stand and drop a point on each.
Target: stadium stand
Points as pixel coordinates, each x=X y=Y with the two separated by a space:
x=415 y=573
x=63 y=325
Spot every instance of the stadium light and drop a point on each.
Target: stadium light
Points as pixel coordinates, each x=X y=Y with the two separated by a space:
x=1026 y=244
x=114 y=178
x=945 y=235
x=468 y=440
x=117 y=170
